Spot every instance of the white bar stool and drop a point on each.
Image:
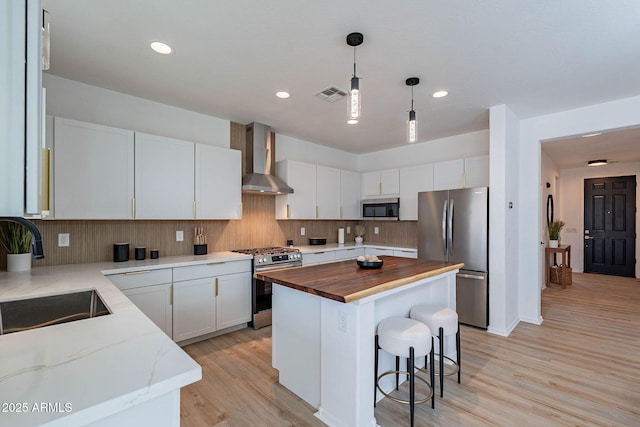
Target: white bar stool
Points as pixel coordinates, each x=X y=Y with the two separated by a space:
x=445 y=321
x=404 y=337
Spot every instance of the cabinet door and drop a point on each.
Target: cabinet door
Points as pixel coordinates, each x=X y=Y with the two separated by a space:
x=93 y=171
x=390 y=181
x=476 y=172
x=348 y=253
x=327 y=192
x=349 y=195
x=233 y=300
x=164 y=171
x=379 y=251
x=370 y=183
x=193 y=308
x=218 y=183
x=448 y=175
x=319 y=257
x=155 y=303
x=406 y=253
x=412 y=181
x=302 y=178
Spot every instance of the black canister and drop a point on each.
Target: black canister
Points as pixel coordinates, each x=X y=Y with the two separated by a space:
x=120 y=252
x=141 y=253
x=154 y=254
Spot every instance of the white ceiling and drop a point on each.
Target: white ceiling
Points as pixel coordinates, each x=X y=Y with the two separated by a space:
x=231 y=57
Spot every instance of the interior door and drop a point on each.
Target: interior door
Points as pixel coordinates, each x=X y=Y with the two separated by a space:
x=609 y=225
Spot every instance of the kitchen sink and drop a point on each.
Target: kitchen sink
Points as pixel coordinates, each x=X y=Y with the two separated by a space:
x=32 y=313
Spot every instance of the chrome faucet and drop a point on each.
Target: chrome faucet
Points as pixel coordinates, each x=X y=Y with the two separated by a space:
x=36 y=241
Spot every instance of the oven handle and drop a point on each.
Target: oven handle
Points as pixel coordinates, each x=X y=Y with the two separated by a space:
x=277 y=267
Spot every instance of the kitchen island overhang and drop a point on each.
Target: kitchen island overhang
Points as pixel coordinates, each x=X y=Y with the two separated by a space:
x=324 y=323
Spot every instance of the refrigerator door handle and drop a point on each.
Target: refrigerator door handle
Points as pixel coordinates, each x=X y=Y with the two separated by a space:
x=444 y=228
x=470 y=276
x=450 y=228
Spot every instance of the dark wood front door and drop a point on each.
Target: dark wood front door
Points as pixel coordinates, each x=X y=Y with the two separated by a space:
x=609 y=225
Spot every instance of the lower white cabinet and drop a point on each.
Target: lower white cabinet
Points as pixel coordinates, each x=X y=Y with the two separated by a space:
x=379 y=251
x=194 y=308
x=318 y=257
x=155 y=302
x=348 y=253
x=406 y=253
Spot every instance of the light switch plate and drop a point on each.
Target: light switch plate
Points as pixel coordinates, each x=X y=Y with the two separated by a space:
x=348 y=230
x=179 y=236
x=302 y=231
x=376 y=230
x=63 y=240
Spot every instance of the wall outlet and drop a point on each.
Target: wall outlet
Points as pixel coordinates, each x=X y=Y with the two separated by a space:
x=343 y=321
x=376 y=230
x=302 y=231
x=179 y=236
x=348 y=230
x=63 y=240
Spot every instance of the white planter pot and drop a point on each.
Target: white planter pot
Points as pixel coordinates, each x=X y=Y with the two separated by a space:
x=359 y=239
x=18 y=262
x=553 y=243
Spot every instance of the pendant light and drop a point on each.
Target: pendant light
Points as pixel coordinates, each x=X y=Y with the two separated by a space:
x=354 y=39
x=412 y=124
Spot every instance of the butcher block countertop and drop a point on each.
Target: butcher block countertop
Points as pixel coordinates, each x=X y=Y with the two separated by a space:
x=346 y=282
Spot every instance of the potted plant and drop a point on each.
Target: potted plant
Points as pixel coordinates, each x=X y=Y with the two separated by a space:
x=554 y=233
x=359 y=233
x=16 y=240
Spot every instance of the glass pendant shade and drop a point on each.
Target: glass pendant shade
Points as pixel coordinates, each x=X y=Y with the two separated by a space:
x=354 y=99
x=412 y=127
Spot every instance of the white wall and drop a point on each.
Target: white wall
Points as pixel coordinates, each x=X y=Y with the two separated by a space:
x=471 y=144
x=79 y=101
x=618 y=114
x=572 y=211
x=549 y=173
x=289 y=148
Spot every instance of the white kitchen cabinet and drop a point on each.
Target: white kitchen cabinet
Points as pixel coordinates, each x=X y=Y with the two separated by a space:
x=328 y=197
x=210 y=297
x=348 y=253
x=413 y=180
x=476 y=172
x=406 y=253
x=301 y=204
x=155 y=303
x=150 y=291
x=164 y=178
x=218 y=183
x=381 y=183
x=94 y=171
x=194 y=310
x=318 y=257
x=448 y=175
x=372 y=250
x=349 y=195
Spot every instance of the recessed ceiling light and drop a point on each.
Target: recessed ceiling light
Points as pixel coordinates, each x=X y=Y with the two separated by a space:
x=591 y=134
x=352 y=122
x=440 y=94
x=282 y=95
x=161 y=47
x=597 y=162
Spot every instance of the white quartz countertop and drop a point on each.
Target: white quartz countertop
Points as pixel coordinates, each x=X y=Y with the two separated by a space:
x=335 y=247
x=88 y=369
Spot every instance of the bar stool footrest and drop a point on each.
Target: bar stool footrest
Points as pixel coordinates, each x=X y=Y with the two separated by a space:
x=417 y=377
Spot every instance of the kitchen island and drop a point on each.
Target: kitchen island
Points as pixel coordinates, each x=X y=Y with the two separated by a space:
x=324 y=322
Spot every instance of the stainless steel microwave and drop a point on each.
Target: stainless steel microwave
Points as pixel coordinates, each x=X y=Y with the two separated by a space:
x=381 y=209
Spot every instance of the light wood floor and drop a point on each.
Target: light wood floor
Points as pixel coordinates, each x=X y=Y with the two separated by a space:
x=581 y=367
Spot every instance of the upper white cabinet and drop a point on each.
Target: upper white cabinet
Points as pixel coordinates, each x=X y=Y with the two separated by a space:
x=164 y=173
x=381 y=183
x=349 y=195
x=94 y=171
x=461 y=173
x=218 y=183
x=302 y=178
x=476 y=172
x=413 y=180
x=327 y=192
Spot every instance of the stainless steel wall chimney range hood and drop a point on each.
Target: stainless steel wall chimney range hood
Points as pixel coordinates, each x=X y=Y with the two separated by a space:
x=259 y=164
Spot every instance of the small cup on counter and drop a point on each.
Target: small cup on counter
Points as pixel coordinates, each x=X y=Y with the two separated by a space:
x=154 y=254
x=141 y=253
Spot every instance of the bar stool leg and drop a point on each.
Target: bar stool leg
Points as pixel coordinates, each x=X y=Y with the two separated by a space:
x=375 y=374
x=397 y=371
x=432 y=374
x=458 y=351
x=441 y=339
x=412 y=385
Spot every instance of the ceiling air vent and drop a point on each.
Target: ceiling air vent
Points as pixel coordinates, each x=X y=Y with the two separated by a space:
x=331 y=94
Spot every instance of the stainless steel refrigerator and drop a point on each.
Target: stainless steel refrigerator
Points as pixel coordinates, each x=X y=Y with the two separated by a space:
x=453 y=226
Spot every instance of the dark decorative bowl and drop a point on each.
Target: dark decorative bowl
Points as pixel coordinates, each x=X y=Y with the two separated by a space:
x=370 y=264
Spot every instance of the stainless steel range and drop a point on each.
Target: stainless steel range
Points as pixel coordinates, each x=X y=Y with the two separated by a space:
x=264 y=259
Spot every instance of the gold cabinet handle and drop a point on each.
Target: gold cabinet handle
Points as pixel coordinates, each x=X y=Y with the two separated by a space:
x=380 y=188
x=287 y=210
x=216 y=286
x=216 y=263
x=194 y=209
x=171 y=296
x=316 y=211
x=340 y=212
x=133 y=207
x=131 y=273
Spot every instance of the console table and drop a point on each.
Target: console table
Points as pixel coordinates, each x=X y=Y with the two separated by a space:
x=565 y=250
